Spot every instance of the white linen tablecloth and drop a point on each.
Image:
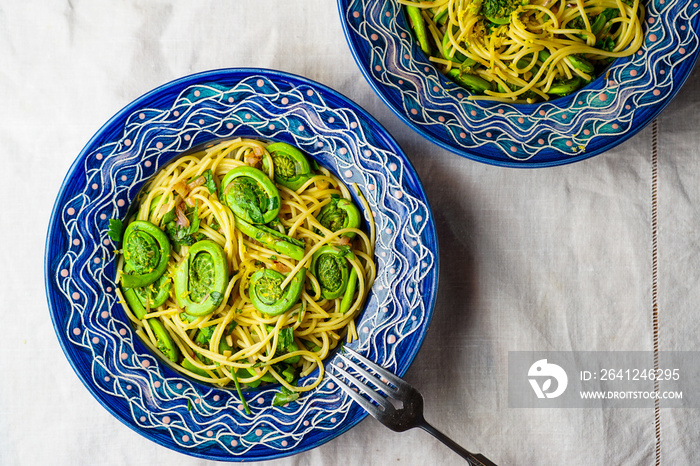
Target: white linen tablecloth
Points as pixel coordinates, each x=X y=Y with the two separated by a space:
x=578 y=257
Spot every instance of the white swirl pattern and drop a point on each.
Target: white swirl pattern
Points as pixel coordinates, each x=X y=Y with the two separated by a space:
x=603 y=114
x=80 y=263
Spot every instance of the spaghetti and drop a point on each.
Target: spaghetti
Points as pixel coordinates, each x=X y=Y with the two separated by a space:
x=523 y=52
x=257 y=237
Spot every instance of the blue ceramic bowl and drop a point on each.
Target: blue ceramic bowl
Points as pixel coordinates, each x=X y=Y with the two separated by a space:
x=136 y=386
x=603 y=114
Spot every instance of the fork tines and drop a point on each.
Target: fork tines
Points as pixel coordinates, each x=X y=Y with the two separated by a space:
x=393 y=388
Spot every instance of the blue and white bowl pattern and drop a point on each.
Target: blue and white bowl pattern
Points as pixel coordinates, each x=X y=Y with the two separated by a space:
x=608 y=111
x=137 y=386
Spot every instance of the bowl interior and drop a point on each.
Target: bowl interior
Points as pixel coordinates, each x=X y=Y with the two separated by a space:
x=111 y=361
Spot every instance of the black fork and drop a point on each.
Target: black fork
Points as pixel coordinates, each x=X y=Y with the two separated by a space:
x=402 y=407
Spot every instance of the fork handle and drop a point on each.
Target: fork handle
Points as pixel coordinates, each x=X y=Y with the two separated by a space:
x=473 y=459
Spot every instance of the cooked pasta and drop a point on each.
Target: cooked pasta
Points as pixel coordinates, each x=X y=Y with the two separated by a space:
x=520 y=51
x=249 y=225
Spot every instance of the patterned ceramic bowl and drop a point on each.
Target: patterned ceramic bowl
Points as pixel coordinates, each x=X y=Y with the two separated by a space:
x=603 y=114
x=135 y=385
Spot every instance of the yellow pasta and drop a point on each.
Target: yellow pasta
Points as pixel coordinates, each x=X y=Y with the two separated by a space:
x=225 y=336
x=524 y=51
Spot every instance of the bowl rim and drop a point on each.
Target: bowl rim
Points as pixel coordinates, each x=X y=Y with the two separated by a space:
x=628 y=123
x=116 y=126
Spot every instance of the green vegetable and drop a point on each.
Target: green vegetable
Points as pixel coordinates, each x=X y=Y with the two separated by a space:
x=485 y=24
x=146 y=253
x=186 y=364
x=284 y=396
x=291 y=167
x=598 y=25
x=165 y=343
x=116 y=228
x=268 y=297
x=311 y=346
x=134 y=302
x=245 y=373
x=338 y=214
x=180 y=235
x=332 y=270
x=251 y=195
x=203 y=339
x=470 y=81
x=288 y=371
x=240 y=392
x=209 y=181
x=500 y=11
x=155 y=294
x=346 y=302
x=273 y=239
x=169 y=216
x=448 y=51
x=419 y=28
x=286 y=344
x=607 y=44
x=285 y=338
x=441 y=17
x=565 y=87
x=543 y=55
x=201 y=278
x=581 y=63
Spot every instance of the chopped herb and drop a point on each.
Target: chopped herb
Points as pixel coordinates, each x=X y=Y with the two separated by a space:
x=209 y=181
x=302 y=312
x=189 y=405
x=287 y=371
x=216 y=298
x=286 y=344
x=169 y=216
x=193 y=217
x=116 y=229
x=285 y=338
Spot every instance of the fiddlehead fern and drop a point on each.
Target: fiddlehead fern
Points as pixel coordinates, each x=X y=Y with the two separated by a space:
x=291 y=167
x=332 y=270
x=267 y=296
x=251 y=195
x=153 y=295
x=338 y=214
x=146 y=253
x=201 y=278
